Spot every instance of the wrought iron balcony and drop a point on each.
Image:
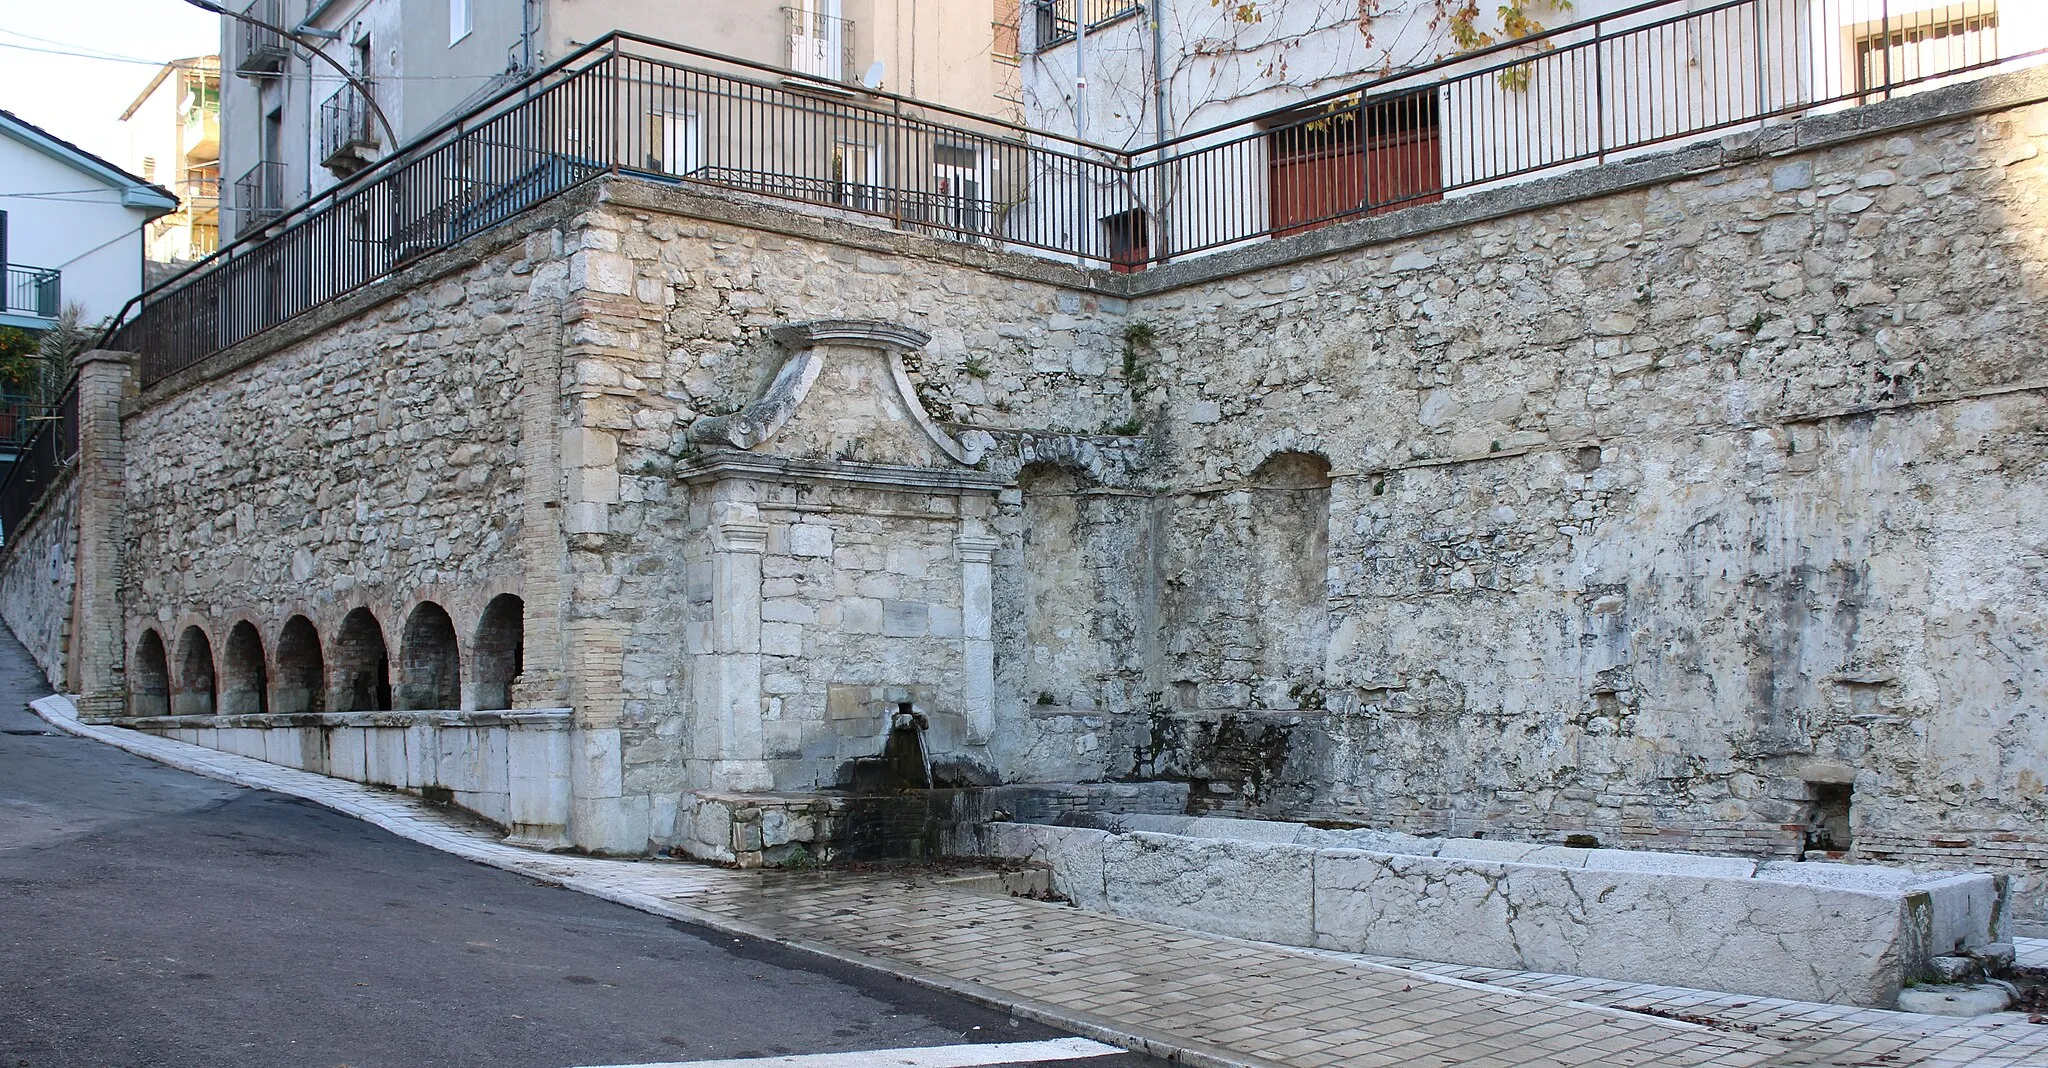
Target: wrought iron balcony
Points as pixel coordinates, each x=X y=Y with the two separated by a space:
x=820 y=45
x=257 y=50
x=36 y=291
x=1056 y=25
x=348 y=135
x=259 y=196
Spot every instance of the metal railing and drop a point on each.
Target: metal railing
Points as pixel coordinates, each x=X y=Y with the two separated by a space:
x=47 y=448
x=1056 y=18
x=819 y=44
x=199 y=185
x=1619 y=84
x=1590 y=91
x=257 y=50
x=259 y=196
x=346 y=130
x=37 y=291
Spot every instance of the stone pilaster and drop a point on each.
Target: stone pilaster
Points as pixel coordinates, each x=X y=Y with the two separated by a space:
x=977 y=550
x=96 y=664
x=738 y=538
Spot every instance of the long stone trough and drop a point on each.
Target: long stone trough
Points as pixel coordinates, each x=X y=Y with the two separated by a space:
x=1846 y=933
x=510 y=767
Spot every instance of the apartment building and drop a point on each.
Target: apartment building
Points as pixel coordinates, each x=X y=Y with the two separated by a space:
x=1332 y=114
x=174 y=140
x=293 y=126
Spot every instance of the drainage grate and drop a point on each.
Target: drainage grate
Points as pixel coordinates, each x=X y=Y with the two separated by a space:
x=29 y=734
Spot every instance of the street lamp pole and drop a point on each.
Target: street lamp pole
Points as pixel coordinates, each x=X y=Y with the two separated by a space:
x=390 y=133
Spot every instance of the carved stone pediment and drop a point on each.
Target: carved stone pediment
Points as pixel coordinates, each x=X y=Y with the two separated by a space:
x=842 y=394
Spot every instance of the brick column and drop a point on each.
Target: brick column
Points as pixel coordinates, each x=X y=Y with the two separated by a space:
x=97 y=657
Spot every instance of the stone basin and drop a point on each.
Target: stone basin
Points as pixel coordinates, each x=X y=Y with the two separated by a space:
x=1846 y=933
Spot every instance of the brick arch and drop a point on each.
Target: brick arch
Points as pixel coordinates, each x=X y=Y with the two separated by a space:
x=361 y=677
x=149 y=676
x=430 y=675
x=300 y=682
x=244 y=682
x=193 y=683
x=498 y=652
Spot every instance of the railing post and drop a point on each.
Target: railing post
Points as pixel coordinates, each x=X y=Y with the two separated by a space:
x=1884 y=42
x=1599 y=97
x=95 y=664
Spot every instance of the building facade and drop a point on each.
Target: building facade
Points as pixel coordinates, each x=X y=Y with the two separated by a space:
x=294 y=127
x=174 y=140
x=74 y=228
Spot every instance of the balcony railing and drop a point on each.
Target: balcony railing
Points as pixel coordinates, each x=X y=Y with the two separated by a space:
x=1624 y=83
x=820 y=45
x=198 y=185
x=36 y=291
x=257 y=50
x=259 y=196
x=1056 y=18
x=47 y=437
x=348 y=137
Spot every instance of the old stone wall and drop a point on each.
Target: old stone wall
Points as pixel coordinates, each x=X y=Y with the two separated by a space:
x=860 y=599
x=1698 y=514
x=38 y=571
x=1689 y=515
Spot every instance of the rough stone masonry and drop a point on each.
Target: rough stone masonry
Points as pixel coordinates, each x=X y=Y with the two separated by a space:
x=1691 y=502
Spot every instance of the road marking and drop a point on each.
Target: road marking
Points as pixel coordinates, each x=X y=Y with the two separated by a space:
x=1065 y=1049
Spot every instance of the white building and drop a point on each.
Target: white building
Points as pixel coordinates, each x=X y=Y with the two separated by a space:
x=72 y=227
x=293 y=127
x=174 y=140
x=1320 y=114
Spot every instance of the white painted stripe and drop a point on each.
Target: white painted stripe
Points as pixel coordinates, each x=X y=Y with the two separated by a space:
x=1064 y=1049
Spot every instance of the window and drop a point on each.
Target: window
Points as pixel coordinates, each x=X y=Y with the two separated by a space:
x=1364 y=158
x=1129 y=237
x=458 y=21
x=1927 y=44
x=675 y=143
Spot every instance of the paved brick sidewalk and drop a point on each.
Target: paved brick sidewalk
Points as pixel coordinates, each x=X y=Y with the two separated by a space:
x=1820 y=1035
x=1204 y=999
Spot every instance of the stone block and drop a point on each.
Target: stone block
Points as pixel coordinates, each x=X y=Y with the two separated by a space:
x=386 y=757
x=348 y=753
x=1241 y=889
x=1406 y=906
x=810 y=540
x=1671 y=863
x=283 y=746
x=906 y=619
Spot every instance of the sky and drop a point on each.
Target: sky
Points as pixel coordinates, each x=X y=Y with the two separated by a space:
x=81 y=99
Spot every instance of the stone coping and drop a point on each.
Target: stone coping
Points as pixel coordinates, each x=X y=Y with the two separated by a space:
x=1876 y=879
x=528 y=718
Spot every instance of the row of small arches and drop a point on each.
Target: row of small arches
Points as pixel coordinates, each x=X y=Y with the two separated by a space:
x=353 y=673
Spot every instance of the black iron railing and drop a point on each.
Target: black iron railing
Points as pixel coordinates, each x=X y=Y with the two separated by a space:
x=259 y=196
x=259 y=50
x=347 y=131
x=1626 y=82
x=1058 y=22
x=37 y=291
x=48 y=436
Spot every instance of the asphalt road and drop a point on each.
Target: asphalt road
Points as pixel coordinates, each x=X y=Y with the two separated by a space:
x=149 y=917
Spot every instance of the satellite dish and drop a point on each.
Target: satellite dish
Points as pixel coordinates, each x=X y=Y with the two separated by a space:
x=873 y=78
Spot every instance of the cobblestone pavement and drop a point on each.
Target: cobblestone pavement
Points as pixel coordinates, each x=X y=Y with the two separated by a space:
x=1205 y=999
